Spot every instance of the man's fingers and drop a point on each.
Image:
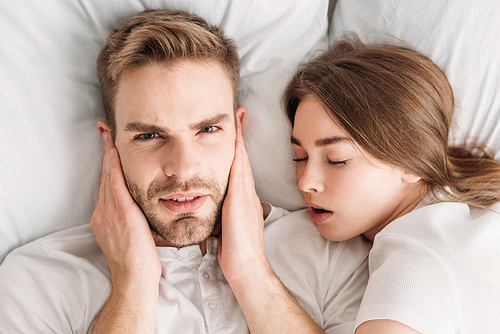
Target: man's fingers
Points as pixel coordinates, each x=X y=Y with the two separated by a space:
x=246 y=168
x=109 y=145
x=105 y=139
x=104 y=172
x=105 y=194
x=236 y=179
x=118 y=185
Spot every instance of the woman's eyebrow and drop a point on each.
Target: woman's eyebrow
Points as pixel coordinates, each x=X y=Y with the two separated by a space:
x=330 y=140
x=295 y=141
x=321 y=142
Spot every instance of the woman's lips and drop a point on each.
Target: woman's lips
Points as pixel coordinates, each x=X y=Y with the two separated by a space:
x=179 y=203
x=318 y=214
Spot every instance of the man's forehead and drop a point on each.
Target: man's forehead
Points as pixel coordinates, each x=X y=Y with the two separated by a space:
x=181 y=70
x=188 y=93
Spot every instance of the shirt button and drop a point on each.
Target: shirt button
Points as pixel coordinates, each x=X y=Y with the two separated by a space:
x=192 y=253
x=212 y=304
x=206 y=275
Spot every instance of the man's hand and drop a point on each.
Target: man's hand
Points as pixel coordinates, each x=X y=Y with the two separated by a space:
x=122 y=232
x=119 y=225
x=241 y=244
x=267 y=305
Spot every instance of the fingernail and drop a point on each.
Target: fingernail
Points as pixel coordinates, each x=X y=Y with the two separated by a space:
x=112 y=152
x=105 y=136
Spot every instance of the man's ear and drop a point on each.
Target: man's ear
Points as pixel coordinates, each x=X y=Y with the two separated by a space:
x=240 y=118
x=103 y=127
x=410 y=178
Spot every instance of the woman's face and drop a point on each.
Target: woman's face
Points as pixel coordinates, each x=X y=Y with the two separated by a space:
x=348 y=191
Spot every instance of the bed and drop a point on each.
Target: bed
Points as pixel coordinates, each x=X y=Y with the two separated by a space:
x=50 y=148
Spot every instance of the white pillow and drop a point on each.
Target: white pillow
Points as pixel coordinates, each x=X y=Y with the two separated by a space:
x=50 y=149
x=462 y=37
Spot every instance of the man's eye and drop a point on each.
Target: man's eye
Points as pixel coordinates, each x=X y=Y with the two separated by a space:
x=147 y=136
x=210 y=128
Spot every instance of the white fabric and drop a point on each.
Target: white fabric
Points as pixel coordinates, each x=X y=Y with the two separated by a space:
x=49 y=97
x=462 y=37
x=50 y=149
x=437 y=270
x=59 y=283
x=327 y=278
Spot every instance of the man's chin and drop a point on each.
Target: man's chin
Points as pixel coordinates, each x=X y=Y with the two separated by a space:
x=183 y=232
x=162 y=242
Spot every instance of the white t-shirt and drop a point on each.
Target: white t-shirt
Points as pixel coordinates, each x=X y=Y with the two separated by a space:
x=59 y=283
x=437 y=270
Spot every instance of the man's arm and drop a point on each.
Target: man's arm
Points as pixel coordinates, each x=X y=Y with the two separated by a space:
x=267 y=305
x=125 y=239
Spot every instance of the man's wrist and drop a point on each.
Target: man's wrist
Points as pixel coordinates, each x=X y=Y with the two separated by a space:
x=253 y=273
x=129 y=284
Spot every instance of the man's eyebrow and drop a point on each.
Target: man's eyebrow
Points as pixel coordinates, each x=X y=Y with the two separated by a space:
x=144 y=128
x=220 y=118
x=147 y=128
x=321 y=142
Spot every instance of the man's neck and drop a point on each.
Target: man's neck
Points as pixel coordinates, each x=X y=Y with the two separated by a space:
x=160 y=242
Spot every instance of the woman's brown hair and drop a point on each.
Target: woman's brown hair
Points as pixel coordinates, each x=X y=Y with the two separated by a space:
x=398 y=106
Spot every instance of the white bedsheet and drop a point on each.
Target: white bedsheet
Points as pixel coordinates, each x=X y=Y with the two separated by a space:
x=50 y=150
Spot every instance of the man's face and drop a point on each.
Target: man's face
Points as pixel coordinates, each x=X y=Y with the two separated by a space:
x=175 y=133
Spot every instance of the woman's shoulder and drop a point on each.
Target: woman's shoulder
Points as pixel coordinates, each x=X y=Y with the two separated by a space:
x=425 y=268
x=453 y=234
x=443 y=223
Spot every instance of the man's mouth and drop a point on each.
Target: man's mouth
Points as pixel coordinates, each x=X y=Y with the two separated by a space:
x=184 y=199
x=179 y=204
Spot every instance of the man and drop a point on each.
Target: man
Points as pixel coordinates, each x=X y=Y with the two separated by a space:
x=178 y=242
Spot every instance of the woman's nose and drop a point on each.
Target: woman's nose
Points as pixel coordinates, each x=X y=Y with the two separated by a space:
x=311 y=179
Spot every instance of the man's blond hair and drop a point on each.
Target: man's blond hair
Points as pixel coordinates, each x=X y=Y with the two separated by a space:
x=162 y=36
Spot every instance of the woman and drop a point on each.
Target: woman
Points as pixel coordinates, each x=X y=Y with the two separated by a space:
x=370 y=132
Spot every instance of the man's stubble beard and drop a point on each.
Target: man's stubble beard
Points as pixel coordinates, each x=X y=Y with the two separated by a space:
x=187 y=228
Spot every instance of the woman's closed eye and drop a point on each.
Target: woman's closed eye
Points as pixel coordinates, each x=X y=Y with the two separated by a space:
x=328 y=161
x=336 y=163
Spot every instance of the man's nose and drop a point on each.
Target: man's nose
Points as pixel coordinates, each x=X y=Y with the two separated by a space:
x=182 y=161
x=311 y=179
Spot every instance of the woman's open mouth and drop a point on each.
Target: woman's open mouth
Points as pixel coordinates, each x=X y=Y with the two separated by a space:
x=320 y=215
